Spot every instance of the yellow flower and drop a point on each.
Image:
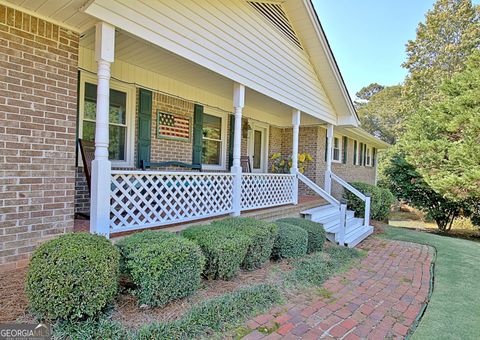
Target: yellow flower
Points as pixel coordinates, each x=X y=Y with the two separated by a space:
x=301 y=157
x=276 y=155
x=282 y=162
x=309 y=157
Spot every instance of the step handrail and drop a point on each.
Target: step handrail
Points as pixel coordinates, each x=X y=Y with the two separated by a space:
x=312 y=185
x=348 y=186
x=356 y=192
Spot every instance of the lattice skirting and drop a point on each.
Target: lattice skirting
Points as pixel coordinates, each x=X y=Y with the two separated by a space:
x=266 y=190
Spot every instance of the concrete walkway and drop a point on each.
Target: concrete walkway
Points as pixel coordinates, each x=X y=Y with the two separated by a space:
x=379 y=298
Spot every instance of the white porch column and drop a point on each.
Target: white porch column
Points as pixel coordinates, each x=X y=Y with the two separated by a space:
x=294 y=169
x=328 y=171
x=238 y=104
x=101 y=166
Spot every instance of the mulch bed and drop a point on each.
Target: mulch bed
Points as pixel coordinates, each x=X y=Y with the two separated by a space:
x=13 y=301
x=127 y=311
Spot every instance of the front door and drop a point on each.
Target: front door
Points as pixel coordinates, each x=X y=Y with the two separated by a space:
x=257 y=147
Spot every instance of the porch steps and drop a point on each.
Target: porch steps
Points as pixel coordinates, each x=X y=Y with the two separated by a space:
x=329 y=217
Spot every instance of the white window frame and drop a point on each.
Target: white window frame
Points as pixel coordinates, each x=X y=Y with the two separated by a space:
x=223 y=137
x=340 y=149
x=130 y=118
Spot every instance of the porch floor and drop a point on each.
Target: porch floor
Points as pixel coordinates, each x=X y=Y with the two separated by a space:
x=266 y=214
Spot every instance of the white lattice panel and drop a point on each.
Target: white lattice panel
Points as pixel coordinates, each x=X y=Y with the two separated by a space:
x=266 y=190
x=141 y=199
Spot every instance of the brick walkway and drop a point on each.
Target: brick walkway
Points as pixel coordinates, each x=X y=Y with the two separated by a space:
x=379 y=298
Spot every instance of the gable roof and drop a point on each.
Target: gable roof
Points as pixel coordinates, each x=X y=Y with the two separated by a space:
x=307 y=24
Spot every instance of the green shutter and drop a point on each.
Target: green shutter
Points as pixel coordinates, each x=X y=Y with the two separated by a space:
x=374 y=156
x=364 y=154
x=345 y=150
x=230 y=139
x=326 y=147
x=197 y=134
x=361 y=154
x=355 y=146
x=144 y=126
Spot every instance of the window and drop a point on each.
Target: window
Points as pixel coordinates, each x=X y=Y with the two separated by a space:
x=369 y=157
x=336 y=149
x=120 y=119
x=214 y=146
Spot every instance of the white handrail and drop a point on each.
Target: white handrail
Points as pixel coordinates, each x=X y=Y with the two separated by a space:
x=356 y=192
x=312 y=185
x=348 y=186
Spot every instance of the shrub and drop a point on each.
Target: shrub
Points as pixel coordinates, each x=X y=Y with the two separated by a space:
x=72 y=277
x=380 y=204
x=163 y=266
x=291 y=242
x=316 y=233
x=261 y=234
x=215 y=314
x=224 y=249
x=92 y=329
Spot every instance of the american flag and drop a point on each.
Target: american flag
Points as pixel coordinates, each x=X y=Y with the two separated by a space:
x=173 y=126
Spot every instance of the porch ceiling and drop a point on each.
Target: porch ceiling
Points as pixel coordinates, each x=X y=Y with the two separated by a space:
x=153 y=58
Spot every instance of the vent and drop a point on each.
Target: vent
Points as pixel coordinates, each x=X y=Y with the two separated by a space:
x=275 y=14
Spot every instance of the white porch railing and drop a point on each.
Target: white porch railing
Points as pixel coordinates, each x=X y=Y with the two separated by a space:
x=143 y=199
x=365 y=198
x=266 y=190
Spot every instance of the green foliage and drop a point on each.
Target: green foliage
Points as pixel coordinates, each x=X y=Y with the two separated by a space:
x=384 y=114
x=367 y=92
x=451 y=32
x=380 y=204
x=72 y=277
x=409 y=186
x=291 y=242
x=315 y=269
x=91 y=329
x=261 y=234
x=162 y=265
x=442 y=140
x=216 y=314
x=316 y=233
x=223 y=247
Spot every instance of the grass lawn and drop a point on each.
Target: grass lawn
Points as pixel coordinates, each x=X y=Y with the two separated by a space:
x=454 y=309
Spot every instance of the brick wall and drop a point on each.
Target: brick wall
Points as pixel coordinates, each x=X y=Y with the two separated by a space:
x=312 y=140
x=38 y=103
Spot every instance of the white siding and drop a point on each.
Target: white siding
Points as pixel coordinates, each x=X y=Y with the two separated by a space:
x=227 y=37
x=129 y=73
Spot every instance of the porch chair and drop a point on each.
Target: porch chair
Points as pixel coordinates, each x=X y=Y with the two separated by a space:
x=245 y=164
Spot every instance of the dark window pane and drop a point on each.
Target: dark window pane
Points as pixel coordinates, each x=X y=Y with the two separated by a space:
x=118 y=104
x=212 y=127
x=116 y=148
x=88 y=131
x=211 y=152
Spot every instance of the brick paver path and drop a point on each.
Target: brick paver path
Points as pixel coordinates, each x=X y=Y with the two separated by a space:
x=379 y=298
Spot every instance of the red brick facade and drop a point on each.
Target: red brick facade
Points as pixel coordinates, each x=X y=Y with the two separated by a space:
x=38 y=105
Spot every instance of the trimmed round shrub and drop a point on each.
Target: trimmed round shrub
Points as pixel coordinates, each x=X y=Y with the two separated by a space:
x=72 y=277
x=291 y=242
x=261 y=234
x=316 y=233
x=163 y=266
x=224 y=249
x=380 y=204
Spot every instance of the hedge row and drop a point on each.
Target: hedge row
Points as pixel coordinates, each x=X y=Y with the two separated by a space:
x=380 y=204
x=76 y=275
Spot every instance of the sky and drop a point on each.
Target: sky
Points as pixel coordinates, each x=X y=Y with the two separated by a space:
x=368 y=37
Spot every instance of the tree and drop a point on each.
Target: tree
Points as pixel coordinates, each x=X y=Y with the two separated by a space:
x=367 y=92
x=408 y=186
x=383 y=114
x=442 y=140
x=451 y=32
